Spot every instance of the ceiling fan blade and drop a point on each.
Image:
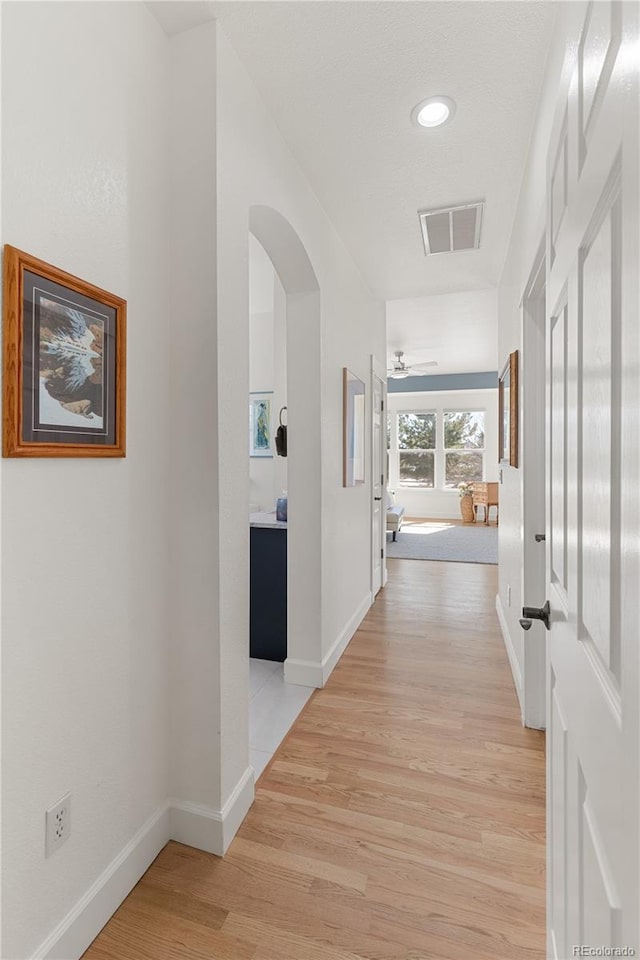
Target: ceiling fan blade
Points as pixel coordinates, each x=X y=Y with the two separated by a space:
x=422 y=366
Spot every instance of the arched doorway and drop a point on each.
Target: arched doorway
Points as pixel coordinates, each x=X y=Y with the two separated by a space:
x=302 y=292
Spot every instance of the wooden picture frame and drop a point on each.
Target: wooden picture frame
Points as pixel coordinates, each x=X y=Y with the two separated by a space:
x=508 y=412
x=353 y=429
x=64 y=363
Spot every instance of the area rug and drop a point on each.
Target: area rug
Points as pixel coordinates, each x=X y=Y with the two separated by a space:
x=440 y=540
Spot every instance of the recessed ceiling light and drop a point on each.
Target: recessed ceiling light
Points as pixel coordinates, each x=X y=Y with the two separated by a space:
x=433 y=112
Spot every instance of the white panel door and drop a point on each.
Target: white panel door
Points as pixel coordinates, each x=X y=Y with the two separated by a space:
x=378 y=514
x=593 y=523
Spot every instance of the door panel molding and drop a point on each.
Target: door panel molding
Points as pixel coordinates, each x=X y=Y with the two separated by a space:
x=599 y=46
x=593 y=471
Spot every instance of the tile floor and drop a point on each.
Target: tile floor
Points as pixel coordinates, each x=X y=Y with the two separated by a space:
x=273 y=706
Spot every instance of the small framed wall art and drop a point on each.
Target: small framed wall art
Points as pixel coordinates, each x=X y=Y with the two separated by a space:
x=508 y=412
x=260 y=425
x=64 y=360
x=353 y=429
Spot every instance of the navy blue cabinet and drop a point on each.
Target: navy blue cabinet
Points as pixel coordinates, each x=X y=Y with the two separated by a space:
x=268 y=622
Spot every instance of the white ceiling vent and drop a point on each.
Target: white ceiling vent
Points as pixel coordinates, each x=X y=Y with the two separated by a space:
x=451 y=228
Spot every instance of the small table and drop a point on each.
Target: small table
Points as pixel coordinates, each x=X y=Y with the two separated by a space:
x=485 y=495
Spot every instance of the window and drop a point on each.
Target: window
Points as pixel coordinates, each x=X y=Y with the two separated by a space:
x=463 y=447
x=438 y=449
x=416 y=445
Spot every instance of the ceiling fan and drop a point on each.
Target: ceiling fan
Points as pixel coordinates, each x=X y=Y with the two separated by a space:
x=400 y=369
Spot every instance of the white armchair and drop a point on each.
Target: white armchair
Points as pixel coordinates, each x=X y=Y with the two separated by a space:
x=395 y=513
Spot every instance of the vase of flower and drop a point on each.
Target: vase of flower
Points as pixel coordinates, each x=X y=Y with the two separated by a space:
x=466 y=502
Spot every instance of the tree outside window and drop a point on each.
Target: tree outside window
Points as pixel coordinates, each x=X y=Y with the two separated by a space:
x=464 y=447
x=417 y=443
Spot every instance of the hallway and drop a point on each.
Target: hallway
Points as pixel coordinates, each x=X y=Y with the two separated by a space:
x=403 y=817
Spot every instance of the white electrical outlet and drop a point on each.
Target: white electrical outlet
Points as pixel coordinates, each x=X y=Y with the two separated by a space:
x=58 y=825
x=509 y=596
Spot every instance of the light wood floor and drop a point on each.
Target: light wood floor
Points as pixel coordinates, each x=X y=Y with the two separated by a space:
x=402 y=818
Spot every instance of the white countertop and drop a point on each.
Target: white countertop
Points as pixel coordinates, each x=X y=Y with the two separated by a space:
x=267 y=521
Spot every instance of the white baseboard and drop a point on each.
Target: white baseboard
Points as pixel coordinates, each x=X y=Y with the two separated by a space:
x=306 y=673
x=313 y=673
x=511 y=653
x=205 y=828
x=237 y=806
x=336 y=651
x=86 y=919
x=198 y=826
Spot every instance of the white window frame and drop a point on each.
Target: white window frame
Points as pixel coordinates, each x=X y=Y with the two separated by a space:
x=396 y=450
x=446 y=450
x=439 y=451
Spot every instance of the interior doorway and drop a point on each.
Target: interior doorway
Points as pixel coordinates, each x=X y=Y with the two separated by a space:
x=284 y=490
x=533 y=487
x=379 y=477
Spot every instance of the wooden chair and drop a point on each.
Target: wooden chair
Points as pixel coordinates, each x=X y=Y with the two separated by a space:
x=485 y=495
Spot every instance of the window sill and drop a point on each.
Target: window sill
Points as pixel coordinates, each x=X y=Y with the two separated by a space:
x=409 y=486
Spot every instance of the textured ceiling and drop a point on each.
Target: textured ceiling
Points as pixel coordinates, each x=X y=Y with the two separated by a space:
x=457 y=330
x=175 y=16
x=340 y=80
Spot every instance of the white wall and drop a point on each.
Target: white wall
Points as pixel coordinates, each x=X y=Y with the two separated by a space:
x=228 y=159
x=441 y=503
x=280 y=464
x=267 y=367
x=527 y=234
x=84 y=542
x=195 y=602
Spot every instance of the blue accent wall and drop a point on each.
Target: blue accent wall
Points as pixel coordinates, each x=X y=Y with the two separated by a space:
x=444 y=381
